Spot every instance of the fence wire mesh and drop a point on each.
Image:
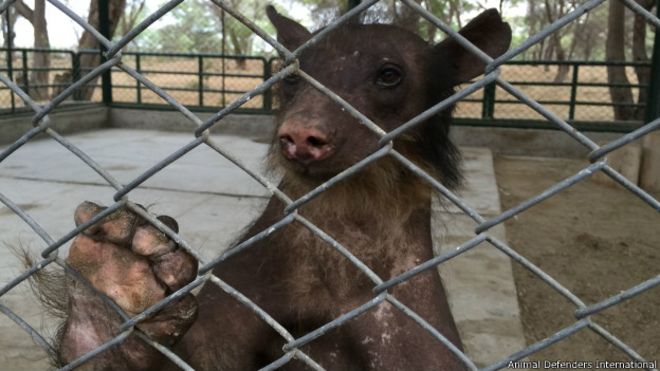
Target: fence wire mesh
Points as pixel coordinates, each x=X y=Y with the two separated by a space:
x=293 y=348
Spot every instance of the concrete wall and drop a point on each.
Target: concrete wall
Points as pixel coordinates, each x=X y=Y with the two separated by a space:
x=64 y=121
x=527 y=142
x=253 y=126
x=532 y=142
x=552 y=143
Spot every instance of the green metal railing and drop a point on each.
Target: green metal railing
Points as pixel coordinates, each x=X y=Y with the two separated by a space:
x=208 y=81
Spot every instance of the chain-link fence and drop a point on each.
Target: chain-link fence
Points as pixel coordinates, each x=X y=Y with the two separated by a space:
x=116 y=60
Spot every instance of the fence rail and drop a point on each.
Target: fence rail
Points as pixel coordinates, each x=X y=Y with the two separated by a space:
x=207 y=81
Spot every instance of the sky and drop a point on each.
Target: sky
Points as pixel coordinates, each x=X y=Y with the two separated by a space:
x=64 y=33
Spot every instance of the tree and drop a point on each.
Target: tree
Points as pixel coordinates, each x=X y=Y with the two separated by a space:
x=616 y=75
x=133 y=12
x=39 y=78
x=639 y=54
x=194 y=30
x=87 y=41
x=237 y=39
x=8 y=34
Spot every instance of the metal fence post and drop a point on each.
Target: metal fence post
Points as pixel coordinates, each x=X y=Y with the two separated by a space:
x=10 y=57
x=488 y=109
x=104 y=28
x=574 y=85
x=653 y=100
x=75 y=74
x=268 y=95
x=26 y=81
x=138 y=68
x=200 y=78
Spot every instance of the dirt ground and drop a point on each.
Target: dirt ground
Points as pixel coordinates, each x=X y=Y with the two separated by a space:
x=596 y=240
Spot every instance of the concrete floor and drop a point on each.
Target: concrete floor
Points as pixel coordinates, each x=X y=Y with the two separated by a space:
x=213 y=201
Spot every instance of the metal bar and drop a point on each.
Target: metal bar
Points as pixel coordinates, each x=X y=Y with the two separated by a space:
x=584 y=140
x=335 y=323
x=341 y=249
x=555 y=26
x=138 y=86
x=75 y=74
x=26 y=79
x=432 y=263
x=650 y=18
x=431 y=330
x=67 y=237
x=27 y=219
x=161 y=93
x=25 y=72
x=338 y=178
x=553 y=190
x=91 y=354
x=628 y=138
x=568 y=331
x=536 y=271
x=618 y=298
x=632 y=187
x=200 y=80
x=488 y=109
x=158 y=167
x=244 y=99
x=162 y=10
x=71 y=88
x=10 y=59
x=467 y=209
x=76 y=18
x=445 y=104
x=104 y=28
x=617 y=343
x=34 y=334
x=268 y=94
x=574 y=86
x=248 y=243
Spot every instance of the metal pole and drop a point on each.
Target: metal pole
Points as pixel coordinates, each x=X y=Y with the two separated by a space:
x=488 y=108
x=104 y=28
x=138 y=68
x=224 y=57
x=10 y=58
x=574 y=86
x=200 y=80
x=653 y=101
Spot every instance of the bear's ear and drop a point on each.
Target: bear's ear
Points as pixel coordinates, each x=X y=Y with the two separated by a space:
x=290 y=33
x=487 y=32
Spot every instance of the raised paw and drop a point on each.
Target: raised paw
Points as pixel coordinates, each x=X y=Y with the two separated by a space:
x=128 y=259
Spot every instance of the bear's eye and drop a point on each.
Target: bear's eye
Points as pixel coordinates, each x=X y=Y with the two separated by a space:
x=389 y=75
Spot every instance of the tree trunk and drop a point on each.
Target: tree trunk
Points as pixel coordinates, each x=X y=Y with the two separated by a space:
x=89 y=61
x=41 y=61
x=8 y=33
x=237 y=47
x=639 y=55
x=615 y=53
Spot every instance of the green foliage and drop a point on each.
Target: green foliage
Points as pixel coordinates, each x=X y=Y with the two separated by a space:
x=188 y=28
